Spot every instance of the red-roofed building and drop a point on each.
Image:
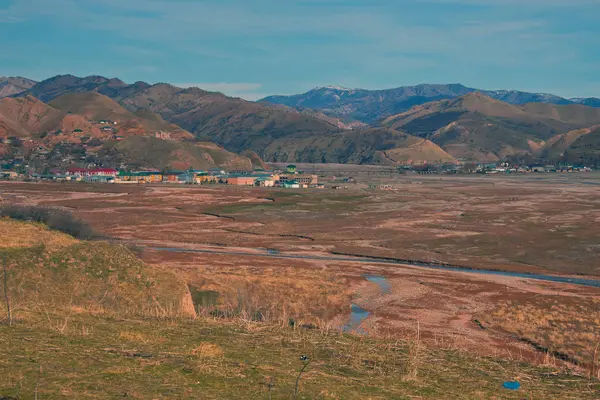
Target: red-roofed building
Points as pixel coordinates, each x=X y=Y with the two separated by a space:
x=92 y=172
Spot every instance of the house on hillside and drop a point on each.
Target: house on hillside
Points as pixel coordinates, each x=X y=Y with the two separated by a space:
x=162 y=135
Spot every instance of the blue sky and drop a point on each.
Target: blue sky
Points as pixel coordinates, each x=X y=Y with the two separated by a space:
x=253 y=48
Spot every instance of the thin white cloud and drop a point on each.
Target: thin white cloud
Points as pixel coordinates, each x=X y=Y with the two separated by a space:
x=334 y=39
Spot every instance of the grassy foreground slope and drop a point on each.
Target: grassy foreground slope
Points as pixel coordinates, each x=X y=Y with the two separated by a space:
x=93 y=321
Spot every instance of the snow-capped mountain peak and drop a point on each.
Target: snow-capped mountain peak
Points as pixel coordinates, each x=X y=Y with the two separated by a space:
x=334 y=87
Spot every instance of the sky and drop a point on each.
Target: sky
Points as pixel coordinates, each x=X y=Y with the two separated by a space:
x=255 y=48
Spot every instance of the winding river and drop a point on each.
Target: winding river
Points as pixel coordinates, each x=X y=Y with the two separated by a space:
x=372 y=260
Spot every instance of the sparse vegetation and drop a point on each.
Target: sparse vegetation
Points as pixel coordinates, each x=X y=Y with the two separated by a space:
x=208 y=326
x=566 y=329
x=54 y=218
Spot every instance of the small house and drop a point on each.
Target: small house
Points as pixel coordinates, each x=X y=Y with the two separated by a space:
x=204 y=178
x=537 y=168
x=173 y=176
x=241 y=180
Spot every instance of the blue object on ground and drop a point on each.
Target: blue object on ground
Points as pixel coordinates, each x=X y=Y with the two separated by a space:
x=512 y=385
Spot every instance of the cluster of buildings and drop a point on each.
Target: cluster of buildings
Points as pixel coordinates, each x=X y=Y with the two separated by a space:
x=287 y=179
x=492 y=168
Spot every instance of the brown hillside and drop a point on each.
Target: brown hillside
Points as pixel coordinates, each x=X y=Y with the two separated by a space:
x=96 y=106
x=92 y=105
x=27 y=116
x=236 y=124
x=257 y=161
x=372 y=146
x=581 y=143
x=14 y=85
x=572 y=114
x=477 y=127
x=149 y=152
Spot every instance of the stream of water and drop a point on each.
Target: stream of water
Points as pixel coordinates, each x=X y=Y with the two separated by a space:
x=274 y=254
x=358 y=314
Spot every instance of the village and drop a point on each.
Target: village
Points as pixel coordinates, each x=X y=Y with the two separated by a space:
x=288 y=178
x=281 y=176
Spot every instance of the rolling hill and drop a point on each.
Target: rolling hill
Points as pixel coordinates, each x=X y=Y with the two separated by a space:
x=461 y=123
x=26 y=117
x=577 y=146
x=477 y=127
x=97 y=107
x=72 y=120
x=372 y=106
x=138 y=152
x=369 y=146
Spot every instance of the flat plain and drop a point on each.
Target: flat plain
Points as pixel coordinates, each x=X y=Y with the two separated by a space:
x=290 y=255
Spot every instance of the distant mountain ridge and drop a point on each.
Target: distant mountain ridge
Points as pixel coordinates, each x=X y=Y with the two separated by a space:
x=274 y=133
x=10 y=86
x=372 y=106
x=435 y=122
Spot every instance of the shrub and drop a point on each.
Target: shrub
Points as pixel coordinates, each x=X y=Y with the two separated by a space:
x=54 y=218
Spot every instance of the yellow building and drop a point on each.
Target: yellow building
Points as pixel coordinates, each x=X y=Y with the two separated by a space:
x=140 y=177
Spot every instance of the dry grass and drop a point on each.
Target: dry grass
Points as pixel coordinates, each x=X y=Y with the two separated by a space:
x=215 y=360
x=567 y=328
x=282 y=295
x=207 y=350
x=85 y=277
x=15 y=234
x=93 y=321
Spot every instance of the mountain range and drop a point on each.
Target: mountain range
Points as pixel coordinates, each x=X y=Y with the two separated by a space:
x=372 y=106
x=424 y=123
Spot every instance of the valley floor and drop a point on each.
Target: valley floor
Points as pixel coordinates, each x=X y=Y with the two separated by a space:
x=534 y=224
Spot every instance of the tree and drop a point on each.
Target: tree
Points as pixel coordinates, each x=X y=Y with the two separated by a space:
x=15 y=141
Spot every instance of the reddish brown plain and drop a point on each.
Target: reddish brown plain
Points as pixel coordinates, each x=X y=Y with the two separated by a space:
x=539 y=224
